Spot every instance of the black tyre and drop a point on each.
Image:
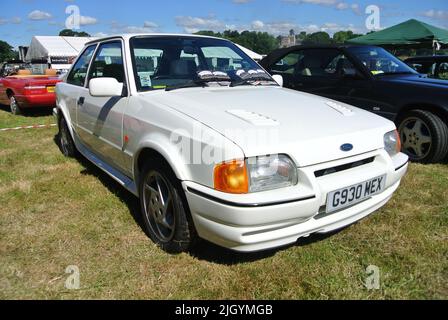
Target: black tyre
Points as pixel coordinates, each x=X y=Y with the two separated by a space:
x=165 y=209
x=65 y=139
x=14 y=106
x=424 y=136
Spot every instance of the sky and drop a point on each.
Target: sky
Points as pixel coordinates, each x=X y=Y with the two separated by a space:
x=20 y=20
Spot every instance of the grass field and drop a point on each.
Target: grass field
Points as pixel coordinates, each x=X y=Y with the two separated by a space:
x=56 y=212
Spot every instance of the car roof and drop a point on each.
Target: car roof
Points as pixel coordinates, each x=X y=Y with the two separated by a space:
x=128 y=36
x=275 y=55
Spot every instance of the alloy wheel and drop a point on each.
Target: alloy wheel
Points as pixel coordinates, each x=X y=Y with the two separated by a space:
x=14 y=106
x=64 y=137
x=159 y=206
x=416 y=138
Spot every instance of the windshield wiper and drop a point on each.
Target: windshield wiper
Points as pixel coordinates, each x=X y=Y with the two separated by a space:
x=249 y=81
x=197 y=83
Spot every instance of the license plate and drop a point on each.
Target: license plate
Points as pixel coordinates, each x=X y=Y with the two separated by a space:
x=357 y=193
x=50 y=89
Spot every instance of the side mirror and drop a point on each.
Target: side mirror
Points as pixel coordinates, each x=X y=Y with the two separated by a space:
x=279 y=79
x=105 y=87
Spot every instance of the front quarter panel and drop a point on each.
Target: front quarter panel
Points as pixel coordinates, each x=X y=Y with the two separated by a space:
x=190 y=147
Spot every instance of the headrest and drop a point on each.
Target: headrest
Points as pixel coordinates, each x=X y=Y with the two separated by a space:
x=24 y=72
x=51 y=72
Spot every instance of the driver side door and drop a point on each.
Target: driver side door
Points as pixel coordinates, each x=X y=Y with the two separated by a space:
x=100 y=119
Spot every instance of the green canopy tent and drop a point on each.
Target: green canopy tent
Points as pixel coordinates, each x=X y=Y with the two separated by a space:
x=411 y=34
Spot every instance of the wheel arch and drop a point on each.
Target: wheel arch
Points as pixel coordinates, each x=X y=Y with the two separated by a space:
x=433 y=108
x=9 y=93
x=63 y=112
x=155 y=151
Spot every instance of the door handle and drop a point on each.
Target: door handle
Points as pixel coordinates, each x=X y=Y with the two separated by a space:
x=81 y=101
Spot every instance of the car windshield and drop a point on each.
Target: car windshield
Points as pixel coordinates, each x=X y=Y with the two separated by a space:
x=380 y=62
x=178 y=62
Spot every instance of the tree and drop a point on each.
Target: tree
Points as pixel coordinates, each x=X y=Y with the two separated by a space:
x=343 y=36
x=71 y=33
x=7 y=52
x=260 y=42
x=320 y=37
x=301 y=36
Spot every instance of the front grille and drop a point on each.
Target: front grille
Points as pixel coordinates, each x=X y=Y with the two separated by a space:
x=348 y=166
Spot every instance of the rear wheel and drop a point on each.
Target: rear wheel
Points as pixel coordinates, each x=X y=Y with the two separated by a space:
x=14 y=105
x=165 y=211
x=65 y=140
x=424 y=136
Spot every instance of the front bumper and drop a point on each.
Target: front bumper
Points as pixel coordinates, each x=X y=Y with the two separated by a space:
x=275 y=218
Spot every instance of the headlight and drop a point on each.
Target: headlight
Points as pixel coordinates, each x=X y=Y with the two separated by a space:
x=255 y=174
x=271 y=172
x=392 y=143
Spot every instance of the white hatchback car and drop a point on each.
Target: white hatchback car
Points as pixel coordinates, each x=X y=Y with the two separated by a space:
x=216 y=149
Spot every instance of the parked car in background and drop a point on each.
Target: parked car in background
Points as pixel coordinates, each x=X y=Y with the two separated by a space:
x=373 y=79
x=433 y=66
x=172 y=119
x=24 y=90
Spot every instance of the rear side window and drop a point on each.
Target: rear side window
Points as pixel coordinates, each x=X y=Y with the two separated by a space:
x=108 y=62
x=288 y=63
x=321 y=63
x=78 y=74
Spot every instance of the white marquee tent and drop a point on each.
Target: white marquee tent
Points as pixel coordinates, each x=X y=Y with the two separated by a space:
x=58 y=51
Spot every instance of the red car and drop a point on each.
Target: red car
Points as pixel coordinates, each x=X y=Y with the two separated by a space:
x=24 y=90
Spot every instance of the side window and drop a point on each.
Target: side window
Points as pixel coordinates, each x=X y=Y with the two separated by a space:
x=323 y=63
x=339 y=66
x=108 y=62
x=288 y=63
x=78 y=74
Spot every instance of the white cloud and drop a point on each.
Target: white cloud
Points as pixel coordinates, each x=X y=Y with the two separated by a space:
x=241 y=1
x=100 y=34
x=39 y=15
x=16 y=20
x=356 y=9
x=83 y=21
x=148 y=27
x=436 y=14
x=337 y=4
x=318 y=2
x=195 y=24
x=342 y=6
x=86 y=20
x=283 y=28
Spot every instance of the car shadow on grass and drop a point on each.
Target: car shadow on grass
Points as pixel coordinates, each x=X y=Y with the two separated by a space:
x=216 y=254
x=31 y=112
